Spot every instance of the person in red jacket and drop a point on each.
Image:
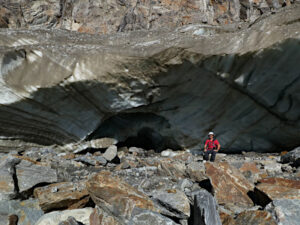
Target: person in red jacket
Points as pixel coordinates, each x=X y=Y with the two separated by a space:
x=212 y=146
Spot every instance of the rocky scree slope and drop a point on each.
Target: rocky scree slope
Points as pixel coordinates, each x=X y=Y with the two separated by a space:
x=118 y=186
x=164 y=88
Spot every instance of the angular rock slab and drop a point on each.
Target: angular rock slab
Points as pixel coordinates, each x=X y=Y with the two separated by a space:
x=28 y=211
x=54 y=218
x=205 y=209
x=196 y=171
x=70 y=221
x=292 y=157
x=175 y=201
x=100 y=217
x=116 y=196
x=229 y=184
x=277 y=188
x=142 y=217
x=60 y=195
x=174 y=169
x=7 y=183
x=285 y=211
x=30 y=173
x=110 y=153
x=254 y=218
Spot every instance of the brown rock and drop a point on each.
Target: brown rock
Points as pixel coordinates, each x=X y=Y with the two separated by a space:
x=61 y=196
x=100 y=217
x=226 y=219
x=229 y=185
x=249 y=166
x=277 y=188
x=69 y=156
x=254 y=218
x=116 y=196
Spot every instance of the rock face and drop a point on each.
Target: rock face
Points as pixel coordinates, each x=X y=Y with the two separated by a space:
x=28 y=212
x=205 y=209
x=254 y=218
x=30 y=173
x=111 y=16
x=175 y=201
x=153 y=89
x=230 y=186
x=60 y=195
x=277 y=188
x=8 y=188
x=285 y=211
x=116 y=196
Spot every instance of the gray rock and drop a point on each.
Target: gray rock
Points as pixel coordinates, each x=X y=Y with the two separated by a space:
x=70 y=221
x=101 y=160
x=205 y=209
x=143 y=217
x=175 y=201
x=89 y=159
x=285 y=211
x=103 y=142
x=30 y=174
x=8 y=189
x=110 y=153
x=185 y=185
x=56 y=217
x=136 y=150
x=28 y=211
x=292 y=157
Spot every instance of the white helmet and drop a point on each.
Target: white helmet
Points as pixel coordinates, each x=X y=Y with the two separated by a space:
x=211 y=133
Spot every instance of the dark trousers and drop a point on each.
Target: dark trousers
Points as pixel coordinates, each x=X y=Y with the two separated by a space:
x=212 y=157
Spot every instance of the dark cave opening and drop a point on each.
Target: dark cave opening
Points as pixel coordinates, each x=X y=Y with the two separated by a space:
x=143 y=130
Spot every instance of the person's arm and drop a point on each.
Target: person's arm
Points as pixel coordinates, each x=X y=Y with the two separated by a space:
x=218 y=146
x=205 y=146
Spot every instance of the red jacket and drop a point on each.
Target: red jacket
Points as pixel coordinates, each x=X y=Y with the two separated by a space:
x=210 y=145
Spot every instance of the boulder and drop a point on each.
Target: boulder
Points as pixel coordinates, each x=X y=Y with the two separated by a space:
x=101 y=217
x=196 y=171
x=60 y=195
x=174 y=201
x=70 y=221
x=56 y=217
x=174 y=169
x=7 y=177
x=31 y=173
x=257 y=217
x=168 y=153
x=230 y=186
x=28 y=211
x=285 y=211
x=110 y=153
x=205 y=209
x=278 y=188
x=136 y=150
x=89 y=159
x=142 y=216
x=103 y=142
x=292 y=157
x=115 y=196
